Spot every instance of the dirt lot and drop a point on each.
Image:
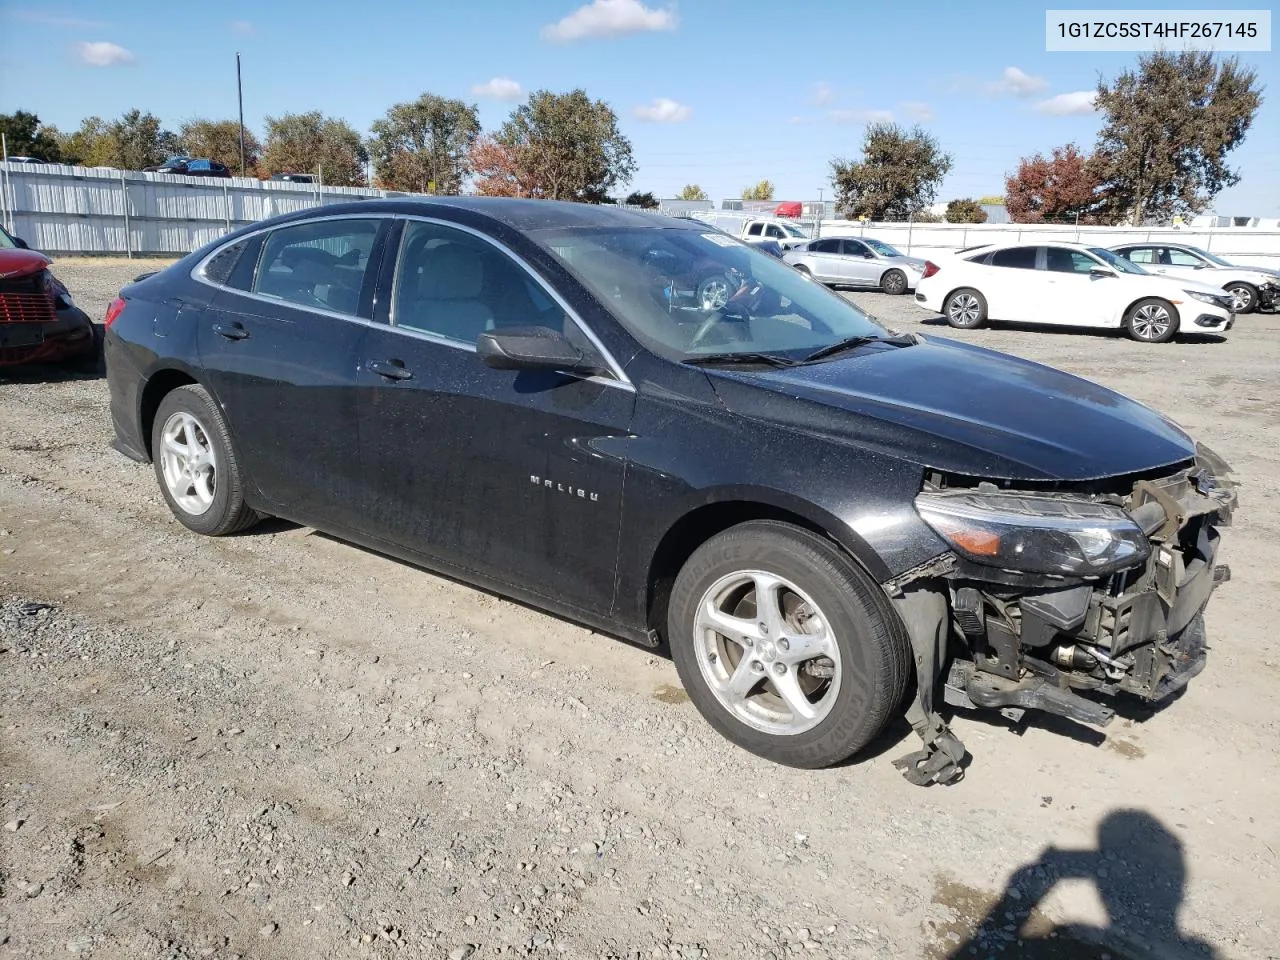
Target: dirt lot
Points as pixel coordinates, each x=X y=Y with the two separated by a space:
x=277 y=745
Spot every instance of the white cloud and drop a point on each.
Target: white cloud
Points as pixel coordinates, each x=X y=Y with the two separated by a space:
x=610 y=18
x=917 y=110
x=862 y=116
x=100 y=53
x=499 y=88
x=243 y=28
x=1016 y=83
x=1069 y=104
x=822 y=93
x=663 y=110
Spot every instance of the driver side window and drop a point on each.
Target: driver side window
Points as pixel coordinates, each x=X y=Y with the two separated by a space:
x=855 y=248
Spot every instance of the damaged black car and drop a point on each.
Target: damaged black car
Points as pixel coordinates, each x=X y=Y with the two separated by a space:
x=826 y=522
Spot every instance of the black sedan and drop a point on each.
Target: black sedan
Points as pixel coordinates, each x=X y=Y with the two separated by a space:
x=809 y=510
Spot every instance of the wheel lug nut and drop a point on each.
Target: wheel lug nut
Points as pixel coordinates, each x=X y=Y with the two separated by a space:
x=779 y=668
x=764 y=628
x=757 y=666
x=784 y=645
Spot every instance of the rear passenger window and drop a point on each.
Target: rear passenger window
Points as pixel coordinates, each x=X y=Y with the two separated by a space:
x=1022 y=258
x=321 y=264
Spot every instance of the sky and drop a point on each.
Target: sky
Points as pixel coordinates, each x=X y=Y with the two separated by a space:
x=721 y=93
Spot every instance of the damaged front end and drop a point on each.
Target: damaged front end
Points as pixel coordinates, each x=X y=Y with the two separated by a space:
x=1057 y=599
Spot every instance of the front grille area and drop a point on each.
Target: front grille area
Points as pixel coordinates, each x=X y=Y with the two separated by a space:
x=27 y=300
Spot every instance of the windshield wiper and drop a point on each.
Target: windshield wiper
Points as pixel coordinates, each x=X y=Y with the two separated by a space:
x=728 y=359
x=851 y=343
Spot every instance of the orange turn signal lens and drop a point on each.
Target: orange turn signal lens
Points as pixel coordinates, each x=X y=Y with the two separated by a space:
x=979 y=543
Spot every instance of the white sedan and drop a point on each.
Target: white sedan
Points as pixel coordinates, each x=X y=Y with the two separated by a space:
x=1069 y=284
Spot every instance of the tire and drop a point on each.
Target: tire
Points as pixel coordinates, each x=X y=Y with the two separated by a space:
x=1245 y=294
x=865 y=645
x=211 y=500
x=894 y=283
x=1151 y=321
x=965 y=309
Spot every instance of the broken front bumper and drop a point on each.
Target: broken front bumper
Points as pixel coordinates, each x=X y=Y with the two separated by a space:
x=1016 y=642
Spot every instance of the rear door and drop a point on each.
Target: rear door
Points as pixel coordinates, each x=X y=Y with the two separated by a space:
x=824 y=255
x=1013 y=287
x=503 y=473
x=281 y=346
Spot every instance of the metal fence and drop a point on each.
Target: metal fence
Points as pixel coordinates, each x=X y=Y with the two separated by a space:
x=82 y=210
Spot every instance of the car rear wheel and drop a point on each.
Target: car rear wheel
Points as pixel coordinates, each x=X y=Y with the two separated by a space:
x=196 y=466
x=966 y=309
x=1151 y=321
x=785 y=646
x=1245 y=296
x=894 y=282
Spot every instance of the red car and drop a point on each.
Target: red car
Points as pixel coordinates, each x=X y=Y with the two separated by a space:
x=39 y=322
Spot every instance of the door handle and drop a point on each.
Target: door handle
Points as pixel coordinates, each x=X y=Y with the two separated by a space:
x=391 y=369
x=231 y=331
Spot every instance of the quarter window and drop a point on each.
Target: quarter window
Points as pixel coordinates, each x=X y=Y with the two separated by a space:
x=320 y=264
x=219 y=268
x=455 y=285
x=1020 y=258
x=1062 y=260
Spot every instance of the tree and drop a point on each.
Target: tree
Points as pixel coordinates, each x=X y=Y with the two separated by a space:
x=692 y=191
x=422 y=146
x=136 y=141
x=646 y=201
x=1169 y=127
x=898 y=176
x=219 y=140
x=25 y=136
x=966 y=210
x=87 y=145
x=303 y=142
x=761 y=191
x=557 y=147
x=1057 y=189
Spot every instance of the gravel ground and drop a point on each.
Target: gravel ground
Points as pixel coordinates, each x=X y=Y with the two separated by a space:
x=280 y=746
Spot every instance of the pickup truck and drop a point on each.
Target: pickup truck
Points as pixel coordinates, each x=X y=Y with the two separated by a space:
x=758 y=229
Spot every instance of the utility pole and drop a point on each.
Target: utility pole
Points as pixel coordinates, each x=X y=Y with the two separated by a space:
x=240 y=99
x=821 y=213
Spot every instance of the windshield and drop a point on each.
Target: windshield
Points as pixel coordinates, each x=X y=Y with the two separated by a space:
x=1209 y=256
x=1115 y=261
x=795 y=231
x=881 y=248
x=689 y=293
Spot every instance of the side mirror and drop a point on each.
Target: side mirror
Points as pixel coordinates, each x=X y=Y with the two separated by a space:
x=1099 y=273
x=531 y=348
x=1200 y=265
x=20 y=243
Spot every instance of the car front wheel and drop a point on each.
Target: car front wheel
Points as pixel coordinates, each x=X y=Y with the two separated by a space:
x=785 y=646
x=1151 y=321
x=894 y=283
x=197 y=468
x=1244 y=295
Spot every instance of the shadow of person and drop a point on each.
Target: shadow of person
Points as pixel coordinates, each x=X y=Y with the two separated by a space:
x=1139 y=872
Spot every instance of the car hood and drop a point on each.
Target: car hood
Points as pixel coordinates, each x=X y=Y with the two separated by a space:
x=21 y=263
x=962 y=409
x=915 y=263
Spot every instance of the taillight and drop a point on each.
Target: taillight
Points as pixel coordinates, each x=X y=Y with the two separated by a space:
x=113 y=311
x=930 y=268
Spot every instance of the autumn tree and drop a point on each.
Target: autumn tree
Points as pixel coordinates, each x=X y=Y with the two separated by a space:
x=898 y=175
x=1059 y=188
x=966 y=210
x=1168 y=128
x=306 y=142
x=761 y=191
x=646 y=201
x=219 y=140
x=25 y=136
x=423 y=145
x=557 y=147
x=692 y=191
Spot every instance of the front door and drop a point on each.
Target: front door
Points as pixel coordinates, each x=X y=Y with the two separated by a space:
x=281 y=345
x=509 y=474
x=860 y=265
x=1077 y=296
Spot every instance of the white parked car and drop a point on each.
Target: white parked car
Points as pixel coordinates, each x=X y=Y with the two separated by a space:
x=857 y=262
x=1070 y=284
x=1252 y=287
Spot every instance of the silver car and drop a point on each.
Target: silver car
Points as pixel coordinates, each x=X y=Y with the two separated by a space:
x=857 y=262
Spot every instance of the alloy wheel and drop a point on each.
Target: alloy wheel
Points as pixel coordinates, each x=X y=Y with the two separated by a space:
x=1151 y=321
x=964 y=310
x=767 y=652
x=713 y=294
x=1243 y=298
x=188 y=463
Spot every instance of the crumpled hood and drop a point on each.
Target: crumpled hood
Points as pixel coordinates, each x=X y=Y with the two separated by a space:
x=962 y=409
x=17 y=263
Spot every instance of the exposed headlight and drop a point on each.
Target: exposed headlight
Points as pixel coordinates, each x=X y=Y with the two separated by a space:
x=1036 y=534
x=1213 y=298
